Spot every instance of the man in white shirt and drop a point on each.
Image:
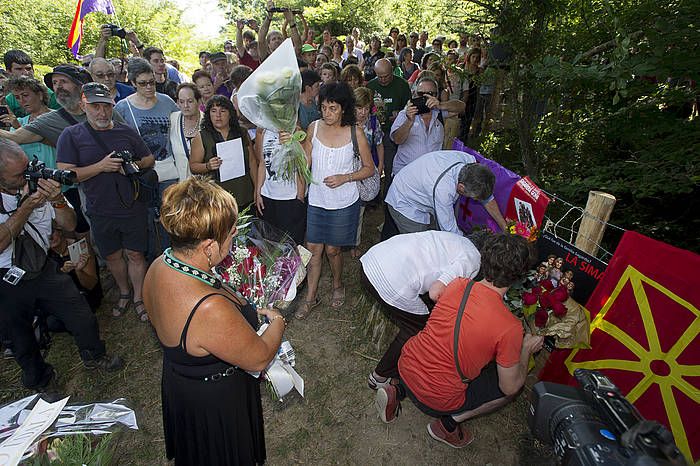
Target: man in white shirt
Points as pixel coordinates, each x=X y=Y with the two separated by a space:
x=430 y=186
x=400 y=270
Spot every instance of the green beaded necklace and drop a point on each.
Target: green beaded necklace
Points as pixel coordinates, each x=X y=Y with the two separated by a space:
x=189 y=270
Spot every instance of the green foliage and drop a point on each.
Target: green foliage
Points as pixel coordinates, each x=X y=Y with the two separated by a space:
x=616 y=83
x=42 y=31
x=77 y=450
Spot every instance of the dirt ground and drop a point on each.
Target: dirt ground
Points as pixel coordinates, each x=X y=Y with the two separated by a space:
x=335 y=423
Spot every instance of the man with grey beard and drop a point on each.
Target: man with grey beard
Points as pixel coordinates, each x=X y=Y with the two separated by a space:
x=65 y=81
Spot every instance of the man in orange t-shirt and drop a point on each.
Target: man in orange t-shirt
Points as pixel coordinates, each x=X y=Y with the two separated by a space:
x=492 y=352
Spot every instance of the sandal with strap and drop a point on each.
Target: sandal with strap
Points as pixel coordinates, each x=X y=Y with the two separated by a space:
x=141 y=312
x=117 y=310
x=338 y=298
x=305 y=308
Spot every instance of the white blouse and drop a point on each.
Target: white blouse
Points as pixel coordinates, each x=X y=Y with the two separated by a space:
x=327 y=161
x=405 y=266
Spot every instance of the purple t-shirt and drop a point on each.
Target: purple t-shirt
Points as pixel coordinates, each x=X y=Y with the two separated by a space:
x=108 y=194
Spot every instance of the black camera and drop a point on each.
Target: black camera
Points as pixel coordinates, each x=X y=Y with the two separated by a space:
x=128 y=162
x=116 y=31
x=37 y=170
x=421 y=103
x=596 y=425
x=282 y=10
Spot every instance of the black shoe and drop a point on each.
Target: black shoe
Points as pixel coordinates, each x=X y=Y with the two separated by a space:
x=48 y=384
x=106 y=362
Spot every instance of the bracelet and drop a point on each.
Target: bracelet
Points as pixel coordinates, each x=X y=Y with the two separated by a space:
x=349 y=177
x=59 y=205
x=279 y=316
x=206 y=165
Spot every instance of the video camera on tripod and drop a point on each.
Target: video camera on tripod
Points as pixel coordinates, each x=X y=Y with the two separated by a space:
x=596 y=425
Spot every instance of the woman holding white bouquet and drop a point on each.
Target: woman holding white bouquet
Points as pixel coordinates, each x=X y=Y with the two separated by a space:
x=334 y=201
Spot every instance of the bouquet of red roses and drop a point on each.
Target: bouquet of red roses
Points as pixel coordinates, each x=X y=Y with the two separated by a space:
x=262 y=265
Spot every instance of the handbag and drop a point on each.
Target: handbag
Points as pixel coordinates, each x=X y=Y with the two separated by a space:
x=369 y=187
x=458 y=322
x=144 y=182
x=27 y=254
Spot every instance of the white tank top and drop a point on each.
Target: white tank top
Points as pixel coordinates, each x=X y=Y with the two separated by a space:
x=327 y=161
x=274 y=186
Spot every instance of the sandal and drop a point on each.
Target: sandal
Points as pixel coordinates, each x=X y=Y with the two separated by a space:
x=305 y=308
x=338 y=297
x=117 y=310
x=141 y=312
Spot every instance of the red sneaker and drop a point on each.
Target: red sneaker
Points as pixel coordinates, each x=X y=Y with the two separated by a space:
x=460 y=438
x=387 y=403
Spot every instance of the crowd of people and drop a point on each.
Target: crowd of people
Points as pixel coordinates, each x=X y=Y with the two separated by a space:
x=141 y=141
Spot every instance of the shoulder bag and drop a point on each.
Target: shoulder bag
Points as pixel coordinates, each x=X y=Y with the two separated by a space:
x=369 y=187
x=458 y=323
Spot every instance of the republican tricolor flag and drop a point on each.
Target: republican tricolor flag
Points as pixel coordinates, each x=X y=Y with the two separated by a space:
x=83 y=8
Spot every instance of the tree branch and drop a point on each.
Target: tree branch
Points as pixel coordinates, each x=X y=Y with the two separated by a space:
x=609 y=45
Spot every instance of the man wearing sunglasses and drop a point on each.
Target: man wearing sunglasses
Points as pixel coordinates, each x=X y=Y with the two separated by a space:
x=103 y=72
x=418 y=128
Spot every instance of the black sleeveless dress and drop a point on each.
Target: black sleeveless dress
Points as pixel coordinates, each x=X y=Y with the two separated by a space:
x=214 y=422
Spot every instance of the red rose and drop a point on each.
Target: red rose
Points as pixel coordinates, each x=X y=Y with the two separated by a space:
x=558 y=309
x=529 y=298
x=545 y=301
x=547 y=285
x=560 y=294
x=541 y=318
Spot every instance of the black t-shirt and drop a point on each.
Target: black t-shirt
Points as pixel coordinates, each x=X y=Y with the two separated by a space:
x=108 y=194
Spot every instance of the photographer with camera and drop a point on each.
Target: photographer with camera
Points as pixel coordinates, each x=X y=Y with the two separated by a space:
x=471 y=358
x=112 y=30
x=102 y=153
x=419 y=128
x=29 y=281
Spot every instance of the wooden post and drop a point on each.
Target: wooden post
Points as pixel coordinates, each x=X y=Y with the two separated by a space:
x=598 y=210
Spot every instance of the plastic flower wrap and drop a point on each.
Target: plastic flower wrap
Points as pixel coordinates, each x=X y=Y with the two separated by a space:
x=269 y=98
x=262 y=265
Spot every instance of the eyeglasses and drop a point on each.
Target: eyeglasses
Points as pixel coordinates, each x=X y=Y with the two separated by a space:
x=149 y=83
x=422 y=93
x=104 y=75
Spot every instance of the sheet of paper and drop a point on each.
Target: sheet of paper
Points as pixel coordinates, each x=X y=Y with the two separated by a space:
x=76 y=249
x=41 y=417
x=233 y=162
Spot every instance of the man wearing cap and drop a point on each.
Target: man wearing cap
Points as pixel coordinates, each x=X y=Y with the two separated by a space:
x=28 y=217
x=118 y=219
x=308 y=55
x=103 y=72
x=220 y=74
x=18 y=63
x=65 y=81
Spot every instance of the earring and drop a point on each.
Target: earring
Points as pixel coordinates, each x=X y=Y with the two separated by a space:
x=209 y=259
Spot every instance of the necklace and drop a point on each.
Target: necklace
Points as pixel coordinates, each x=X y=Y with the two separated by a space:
x=190 y=132
x=189 y=270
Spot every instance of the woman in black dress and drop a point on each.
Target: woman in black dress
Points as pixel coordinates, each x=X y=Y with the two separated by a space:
x=212 y=413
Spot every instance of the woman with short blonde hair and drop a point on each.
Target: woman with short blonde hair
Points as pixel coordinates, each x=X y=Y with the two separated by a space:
x=212 y=412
